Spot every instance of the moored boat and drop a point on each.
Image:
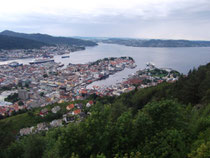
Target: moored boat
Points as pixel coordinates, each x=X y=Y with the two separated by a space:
x=40 y=61
x=67 y=56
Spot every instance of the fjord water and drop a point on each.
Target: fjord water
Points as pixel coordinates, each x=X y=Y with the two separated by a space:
x=182 y=59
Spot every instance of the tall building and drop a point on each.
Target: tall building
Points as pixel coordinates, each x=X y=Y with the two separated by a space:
x=23 y=94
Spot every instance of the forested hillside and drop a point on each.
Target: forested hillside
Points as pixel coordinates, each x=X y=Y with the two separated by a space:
x=157 y=42
x=171 y=120
x=8 y=42
x=44 y=38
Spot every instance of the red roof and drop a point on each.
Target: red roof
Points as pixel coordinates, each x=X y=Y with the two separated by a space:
x=90 y=102
x=2 y=110
x=133 y=81
x=79 y=97
x=83 y=91
x=89 y=81
x=43 y=112
x=70 y=106
x=77 y=111
x=113 y=62
x=16 y=107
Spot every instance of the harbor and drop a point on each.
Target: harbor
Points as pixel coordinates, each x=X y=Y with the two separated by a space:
x=45 y=83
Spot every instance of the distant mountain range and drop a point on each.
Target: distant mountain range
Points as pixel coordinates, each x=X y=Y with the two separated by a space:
x=156 y=43
x=14 y=40
x=8 y=42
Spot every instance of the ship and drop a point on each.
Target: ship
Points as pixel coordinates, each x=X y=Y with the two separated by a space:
x=15 y=64
x=60 y=65
x=150 y=64
x=40 y=61
x=67 y=56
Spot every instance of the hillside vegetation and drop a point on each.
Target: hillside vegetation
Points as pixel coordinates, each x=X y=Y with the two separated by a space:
x=7 y=42
x=171 y=120
x=157 y=43
x=44 y=38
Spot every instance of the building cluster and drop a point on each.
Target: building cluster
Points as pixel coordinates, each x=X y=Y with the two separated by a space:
x=46 y=52
x=10 y=109
x=43 y=84
x=73 y=112
x=150 y=76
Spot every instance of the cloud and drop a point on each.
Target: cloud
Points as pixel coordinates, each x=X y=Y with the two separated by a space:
x=132 y=18
x=78 y=8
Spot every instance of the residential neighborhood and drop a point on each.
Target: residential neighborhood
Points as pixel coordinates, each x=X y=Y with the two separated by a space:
x=42 y=85
x=150 y=76
x=39 y=85
x=71 y=113
x=44 y=52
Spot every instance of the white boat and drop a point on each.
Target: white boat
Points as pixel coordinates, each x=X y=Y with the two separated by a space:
x=40 y=61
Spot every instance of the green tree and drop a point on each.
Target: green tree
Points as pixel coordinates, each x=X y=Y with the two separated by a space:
x=203 y=151
x=166 y=144
x=165 y=114
x=123 y=128
x=20 y=103
x=34 y=146
x=16 y=149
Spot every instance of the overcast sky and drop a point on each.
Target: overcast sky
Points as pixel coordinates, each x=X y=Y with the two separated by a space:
x=168 y=19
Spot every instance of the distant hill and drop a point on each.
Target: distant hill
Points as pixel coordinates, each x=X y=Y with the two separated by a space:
x=157 y=43
x=8 y=42
x=50 y=39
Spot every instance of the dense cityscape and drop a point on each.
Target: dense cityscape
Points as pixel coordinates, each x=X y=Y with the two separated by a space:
x=41 y=84
x=105 y=79
x=45 y=96
x=43 y=52
x=38 y=85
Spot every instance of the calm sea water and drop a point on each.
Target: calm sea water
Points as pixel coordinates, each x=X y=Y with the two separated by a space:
x=181 y=59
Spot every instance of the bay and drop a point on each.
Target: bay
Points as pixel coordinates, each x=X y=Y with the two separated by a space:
x=182 y=58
